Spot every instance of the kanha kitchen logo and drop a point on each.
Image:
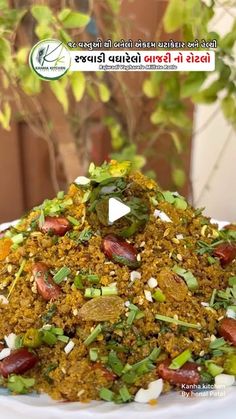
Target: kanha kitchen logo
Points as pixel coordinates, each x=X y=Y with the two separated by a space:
x=50 y=59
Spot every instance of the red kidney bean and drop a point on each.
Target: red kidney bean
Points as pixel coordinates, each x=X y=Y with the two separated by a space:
x=118 y=250
x=187 y=374
x=57 y=225
x=227 y=329
x=18 y=362
x=109 y=375
x=45 y=285
x=226 y=252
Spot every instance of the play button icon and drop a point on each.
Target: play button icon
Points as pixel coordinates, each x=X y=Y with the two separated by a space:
x=116 y=210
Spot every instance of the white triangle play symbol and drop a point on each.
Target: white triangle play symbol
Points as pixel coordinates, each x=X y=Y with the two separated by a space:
x=116 y=209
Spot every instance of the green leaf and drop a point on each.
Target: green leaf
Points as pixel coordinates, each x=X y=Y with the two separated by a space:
x=5 y=50
x=177 y=141
x=60 y=93
x=179 y=177
x=209 y=95
x=72 y=19
x=174 y=16
x=42 y=14
x=180 y=119
x=5 y=116
x=228 y=106
x=104 y=92
x=22 y=55
x=192 y=83
x=30 y=83
x=78 y=84
x=158 y=116
x=64 y=36
x=43 y=31
x=228 y=41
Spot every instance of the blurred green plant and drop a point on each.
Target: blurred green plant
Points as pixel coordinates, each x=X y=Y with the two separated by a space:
x=168 y=92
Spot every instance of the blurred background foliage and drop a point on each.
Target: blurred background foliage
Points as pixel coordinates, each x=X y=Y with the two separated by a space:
x=167 y=98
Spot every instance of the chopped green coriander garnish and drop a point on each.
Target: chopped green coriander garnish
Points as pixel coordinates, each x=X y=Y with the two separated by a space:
x=85 y=235
x=19 y=384
x=115 y=363
x=211 y=260
x=125 y=394
x=189 y=278
x=93 y=335
x=17 y=239
x=73 y=220
x=93 y=354
x=60 y=194
x=232 y=281
x=159 y=296
x=61 y=275
x=180 y=360
x=176 y=321
x=106 y=394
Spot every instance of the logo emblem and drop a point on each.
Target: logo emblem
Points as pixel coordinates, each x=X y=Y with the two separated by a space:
x=50 y=59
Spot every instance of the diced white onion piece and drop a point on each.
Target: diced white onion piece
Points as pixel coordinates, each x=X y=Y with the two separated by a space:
x=3 y=299
x=162 y=215
x=224 y=380
x=153 y=392
x=179 y=236
x=11 y=340
x=152 y=282
x=68 y=348
x=135 y=275
x=82 y=180
x=231 y=313
x=4 y=353
x=204 y=304
x=148 y=295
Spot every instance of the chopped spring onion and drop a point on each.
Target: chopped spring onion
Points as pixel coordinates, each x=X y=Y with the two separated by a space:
x=115 y=363
x=19 y=384
x=93 y=354
x=214 y=369
x=109 y=291
x=232 y=281
x=153 y=356
x=131 y=317
x=60 y=195
x=18 y=238
x=49 y=338
x=106 y=394
x=41 y=219
x=176 y=321
x=78 y=282
x=93 y=335
x=63 y=338
x=180 y=360
x=125 y=394
x=159 y=296
x=57 y=330
x=61 y=275
x=73 y=220
x=92 y=292
x=134 y=313
x=17 y=276
x=132 y=372
x=93 y=278
x=212 y=300
x=189 y=278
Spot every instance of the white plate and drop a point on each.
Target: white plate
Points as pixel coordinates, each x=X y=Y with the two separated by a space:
x=170 y=406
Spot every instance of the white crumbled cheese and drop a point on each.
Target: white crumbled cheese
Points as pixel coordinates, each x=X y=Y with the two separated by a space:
x=135 y=275
x=224 y=380
x=148 y=295
x=4 y=353
x=151 y=393
x=204 y=304
x=152 y=282
x=179 y=236
x=127 y=303
x=10 y=340
x=82 y=180
x=3 y=299
x=230 y=313
x=162 y=215
x=68 y=348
